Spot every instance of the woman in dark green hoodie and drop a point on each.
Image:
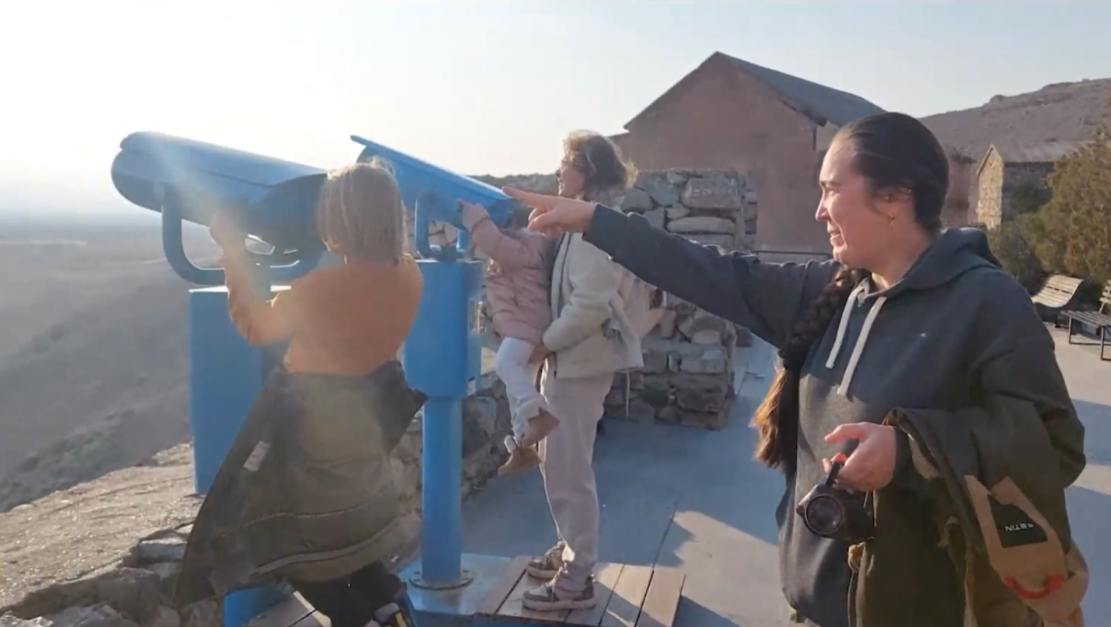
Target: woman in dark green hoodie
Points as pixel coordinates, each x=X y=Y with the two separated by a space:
x=919 y=368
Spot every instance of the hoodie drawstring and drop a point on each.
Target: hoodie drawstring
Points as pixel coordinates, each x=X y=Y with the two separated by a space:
x=844 y=325
x=859 y=348
x=861 y=339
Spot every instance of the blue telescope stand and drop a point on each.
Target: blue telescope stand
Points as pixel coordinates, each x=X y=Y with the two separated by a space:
x=442 y=357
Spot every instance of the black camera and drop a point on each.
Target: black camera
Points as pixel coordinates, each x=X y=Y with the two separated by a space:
x=831 y=512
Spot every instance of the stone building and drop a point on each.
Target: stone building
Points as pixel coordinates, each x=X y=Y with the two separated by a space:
x=735 y=115
x=1004 y=171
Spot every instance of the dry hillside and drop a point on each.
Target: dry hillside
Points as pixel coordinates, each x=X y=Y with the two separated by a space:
x=1063 y=112
x=92 y=357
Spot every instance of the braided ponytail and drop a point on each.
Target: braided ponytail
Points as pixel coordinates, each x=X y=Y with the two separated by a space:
x=777 y=418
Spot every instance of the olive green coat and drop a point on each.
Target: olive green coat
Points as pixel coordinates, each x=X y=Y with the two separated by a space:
x=306 y=491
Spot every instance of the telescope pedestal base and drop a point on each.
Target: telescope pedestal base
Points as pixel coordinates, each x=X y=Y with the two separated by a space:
x=465 y=578
x=449 y=607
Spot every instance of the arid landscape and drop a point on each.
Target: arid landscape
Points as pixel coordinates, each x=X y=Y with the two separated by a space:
x=92 y=350
x=93 y=325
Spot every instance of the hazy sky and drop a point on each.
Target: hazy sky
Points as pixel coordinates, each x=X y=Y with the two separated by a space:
x=474 y=86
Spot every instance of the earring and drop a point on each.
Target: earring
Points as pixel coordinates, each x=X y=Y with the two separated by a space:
x=891 y=221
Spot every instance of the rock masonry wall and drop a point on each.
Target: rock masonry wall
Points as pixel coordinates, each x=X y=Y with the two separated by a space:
x=107 y=553
x=687 y=377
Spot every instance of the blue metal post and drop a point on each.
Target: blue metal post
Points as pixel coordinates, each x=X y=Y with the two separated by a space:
x=441 y=359
x=225 y=376
x=441 y=497
x=224 y=379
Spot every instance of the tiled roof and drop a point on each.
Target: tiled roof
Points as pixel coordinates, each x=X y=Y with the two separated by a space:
x=816 y=101
x=1048 y=152
x=819 y=103
x=1014 y=154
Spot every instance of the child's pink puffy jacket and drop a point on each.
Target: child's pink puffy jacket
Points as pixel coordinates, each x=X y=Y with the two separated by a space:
x=517 y=281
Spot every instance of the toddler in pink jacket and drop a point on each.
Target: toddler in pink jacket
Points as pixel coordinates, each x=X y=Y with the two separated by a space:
x=518 y=294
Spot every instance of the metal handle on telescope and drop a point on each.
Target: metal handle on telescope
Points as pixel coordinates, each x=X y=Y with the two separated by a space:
x=432 y=207
x=278 y=265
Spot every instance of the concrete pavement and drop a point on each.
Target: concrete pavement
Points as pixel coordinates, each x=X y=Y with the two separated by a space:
x=1089 y=499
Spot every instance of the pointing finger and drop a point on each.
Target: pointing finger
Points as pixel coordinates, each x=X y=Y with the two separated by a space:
x=537 y=201
x=542 y=220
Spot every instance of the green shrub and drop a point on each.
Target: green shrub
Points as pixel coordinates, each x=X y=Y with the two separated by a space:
x=1017 y=256
x=1029 y=197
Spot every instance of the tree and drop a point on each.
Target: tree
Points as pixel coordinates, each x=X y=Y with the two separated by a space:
x=1071 y=234
x=1029 y=197
x=1016 y=255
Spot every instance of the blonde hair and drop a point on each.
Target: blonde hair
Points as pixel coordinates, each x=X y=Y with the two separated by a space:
x=600 y=161
x=360 y=214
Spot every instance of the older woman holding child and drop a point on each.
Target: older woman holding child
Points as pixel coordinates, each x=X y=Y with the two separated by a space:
x=562 y=303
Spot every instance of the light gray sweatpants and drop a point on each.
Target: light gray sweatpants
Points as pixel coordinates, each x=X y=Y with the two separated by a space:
x=567 y=467
x=511 y=363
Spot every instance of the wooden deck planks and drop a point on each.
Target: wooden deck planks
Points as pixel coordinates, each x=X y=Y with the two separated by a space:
x=504 y=587
x=662 y=601
x=605 y=580
x=514 y=612
x=316 y=619
x=627 y=596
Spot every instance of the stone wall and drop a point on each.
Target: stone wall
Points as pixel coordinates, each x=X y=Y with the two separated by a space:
x=687 y=377
x=989 y=205
x=58 y=569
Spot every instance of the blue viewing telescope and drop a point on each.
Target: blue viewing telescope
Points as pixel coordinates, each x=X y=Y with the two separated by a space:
x=274 y=201
x=432 y=191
